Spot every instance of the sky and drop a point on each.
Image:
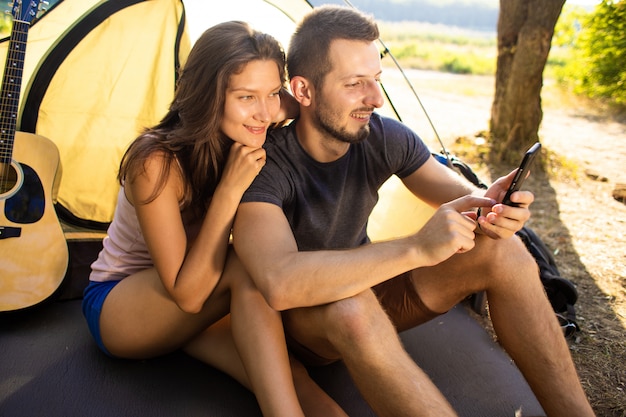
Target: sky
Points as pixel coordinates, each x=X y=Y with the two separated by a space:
x=202 y=14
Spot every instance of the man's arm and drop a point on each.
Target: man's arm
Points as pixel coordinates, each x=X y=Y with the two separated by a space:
x=290 y=279
x=436 y=184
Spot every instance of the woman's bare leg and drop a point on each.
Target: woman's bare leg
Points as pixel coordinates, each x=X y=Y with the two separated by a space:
x=216 y=347
x=139 y=320
x=260 y=341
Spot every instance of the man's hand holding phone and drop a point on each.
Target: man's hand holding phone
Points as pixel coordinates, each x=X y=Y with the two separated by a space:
x=521 y=174
x=504 y=219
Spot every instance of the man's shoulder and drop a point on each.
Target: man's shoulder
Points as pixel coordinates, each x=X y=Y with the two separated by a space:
x=281 y=147
x=386 y=122
x=385 y=129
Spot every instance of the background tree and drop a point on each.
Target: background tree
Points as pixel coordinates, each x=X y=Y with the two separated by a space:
x=596 y=67
x=525 y=29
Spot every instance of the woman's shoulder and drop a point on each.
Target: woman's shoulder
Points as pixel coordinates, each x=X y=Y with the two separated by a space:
x=159 y=170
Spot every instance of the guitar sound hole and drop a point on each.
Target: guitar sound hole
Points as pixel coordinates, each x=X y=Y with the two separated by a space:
x=8 y=177
x=27 y=205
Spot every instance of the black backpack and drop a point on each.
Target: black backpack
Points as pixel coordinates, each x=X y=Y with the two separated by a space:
x=560 y=291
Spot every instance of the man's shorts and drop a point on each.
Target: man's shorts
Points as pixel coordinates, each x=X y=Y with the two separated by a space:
x=93 y=298
x=400 y=301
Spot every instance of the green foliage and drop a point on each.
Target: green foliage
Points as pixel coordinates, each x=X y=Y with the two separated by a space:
x=591 y=52
x=5 y=25
x=568 y=26
x=437 y=48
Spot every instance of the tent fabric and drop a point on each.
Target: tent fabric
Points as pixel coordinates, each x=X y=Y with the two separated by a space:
x=96 y=74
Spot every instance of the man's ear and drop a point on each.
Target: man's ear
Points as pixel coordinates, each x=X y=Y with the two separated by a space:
x=301 y=90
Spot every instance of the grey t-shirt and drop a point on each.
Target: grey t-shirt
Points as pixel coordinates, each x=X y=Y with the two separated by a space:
x=328 y=204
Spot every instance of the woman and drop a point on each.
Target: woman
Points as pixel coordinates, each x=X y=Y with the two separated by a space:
x=166 y=272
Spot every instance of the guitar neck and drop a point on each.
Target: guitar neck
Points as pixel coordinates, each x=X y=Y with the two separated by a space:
x=11 y=86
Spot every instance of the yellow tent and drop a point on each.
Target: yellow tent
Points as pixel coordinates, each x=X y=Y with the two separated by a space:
x=98 y=72
x=95 y=74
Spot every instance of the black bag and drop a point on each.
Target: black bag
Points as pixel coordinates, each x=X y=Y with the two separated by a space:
x=560 y=291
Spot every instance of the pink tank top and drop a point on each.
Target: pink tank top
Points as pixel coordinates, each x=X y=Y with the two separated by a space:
x=124 y=250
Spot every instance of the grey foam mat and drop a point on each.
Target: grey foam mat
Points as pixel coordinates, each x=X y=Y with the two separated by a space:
x=49 y=366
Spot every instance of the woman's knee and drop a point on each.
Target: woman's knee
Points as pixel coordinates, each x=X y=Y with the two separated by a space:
x=235 y=275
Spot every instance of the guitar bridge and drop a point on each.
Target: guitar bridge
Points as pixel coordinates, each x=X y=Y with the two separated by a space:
x=7 y=232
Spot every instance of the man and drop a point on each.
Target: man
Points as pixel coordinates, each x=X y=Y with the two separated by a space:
x=301 y=233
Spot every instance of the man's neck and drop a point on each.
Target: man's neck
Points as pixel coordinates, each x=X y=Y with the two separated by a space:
x=320 y=146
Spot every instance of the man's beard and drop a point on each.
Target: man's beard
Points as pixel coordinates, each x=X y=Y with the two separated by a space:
x=326 y=121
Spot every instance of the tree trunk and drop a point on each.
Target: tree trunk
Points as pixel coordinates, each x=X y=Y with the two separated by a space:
x=525 y=29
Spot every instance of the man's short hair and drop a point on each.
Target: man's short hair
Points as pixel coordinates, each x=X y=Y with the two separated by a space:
x=308 y=54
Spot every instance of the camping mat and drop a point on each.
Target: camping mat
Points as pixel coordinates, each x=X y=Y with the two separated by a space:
x=51 y=367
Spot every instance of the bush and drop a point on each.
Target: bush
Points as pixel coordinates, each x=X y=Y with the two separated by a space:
x=6 y=22
x=456 y=66
x=596 y=42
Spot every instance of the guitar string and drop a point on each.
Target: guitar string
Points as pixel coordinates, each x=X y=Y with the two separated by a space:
x=10 y=99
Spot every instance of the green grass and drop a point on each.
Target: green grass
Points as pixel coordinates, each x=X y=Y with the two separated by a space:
x=440 y=48
x=447 y=49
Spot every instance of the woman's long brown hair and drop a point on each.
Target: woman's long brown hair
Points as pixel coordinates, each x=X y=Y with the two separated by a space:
x=190 y=131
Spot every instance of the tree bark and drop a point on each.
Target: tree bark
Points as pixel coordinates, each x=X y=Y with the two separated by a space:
x=525 y=29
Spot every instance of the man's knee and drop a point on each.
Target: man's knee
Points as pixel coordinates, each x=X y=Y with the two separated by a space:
x=357 y=320
x=513 y=252
x=323 y=334
x=507 y=258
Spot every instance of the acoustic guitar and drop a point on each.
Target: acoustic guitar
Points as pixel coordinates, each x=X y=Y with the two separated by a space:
x=33 y=250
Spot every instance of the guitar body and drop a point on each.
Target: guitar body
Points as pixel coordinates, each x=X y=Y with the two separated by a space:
x=33 y=250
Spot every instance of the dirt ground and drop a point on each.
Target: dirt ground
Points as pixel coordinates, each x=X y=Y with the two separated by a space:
x=574 y=211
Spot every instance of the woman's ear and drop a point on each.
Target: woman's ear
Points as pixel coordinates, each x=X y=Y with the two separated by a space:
x=301 y=90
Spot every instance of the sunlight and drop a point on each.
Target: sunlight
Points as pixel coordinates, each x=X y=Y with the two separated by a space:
x=262 y=16
x=8 y=388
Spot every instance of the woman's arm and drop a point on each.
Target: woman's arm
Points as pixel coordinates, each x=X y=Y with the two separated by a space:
x=191 y=273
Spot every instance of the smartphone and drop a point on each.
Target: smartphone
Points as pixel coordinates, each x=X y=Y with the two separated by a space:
x=521 y=173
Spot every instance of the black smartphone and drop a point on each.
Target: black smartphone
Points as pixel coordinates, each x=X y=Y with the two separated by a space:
x=521 y=173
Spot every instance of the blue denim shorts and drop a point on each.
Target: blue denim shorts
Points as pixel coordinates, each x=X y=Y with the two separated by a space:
x=93 y=298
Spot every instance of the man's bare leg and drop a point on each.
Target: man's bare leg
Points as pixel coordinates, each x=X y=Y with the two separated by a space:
x=359 y=332
x=522 y=316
